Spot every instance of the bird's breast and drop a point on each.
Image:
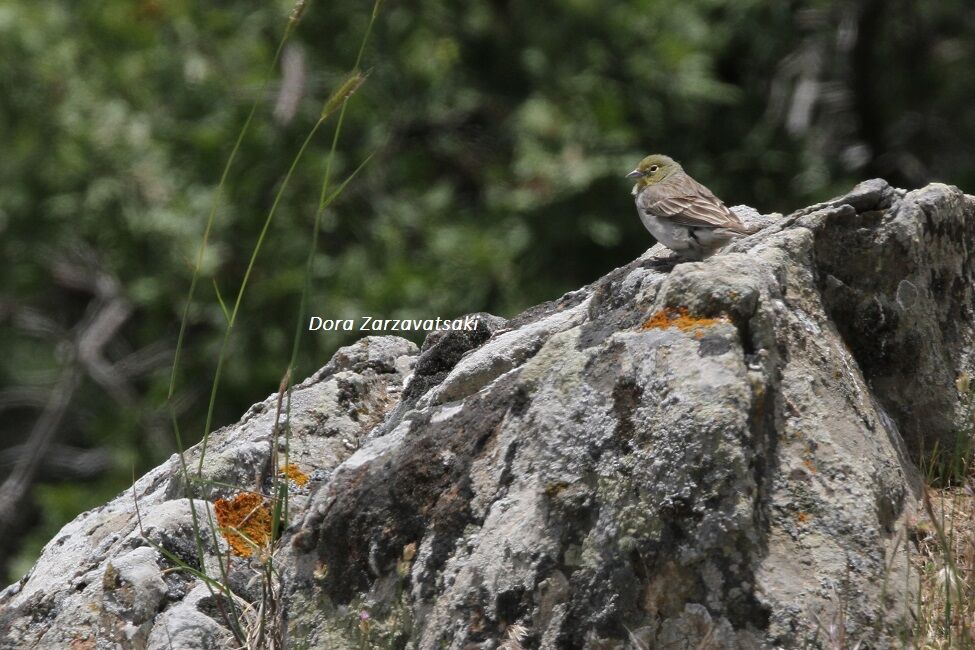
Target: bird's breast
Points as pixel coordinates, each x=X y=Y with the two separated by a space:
x=665 y=231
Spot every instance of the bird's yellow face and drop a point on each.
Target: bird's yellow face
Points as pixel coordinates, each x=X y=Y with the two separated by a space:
x=653 y=169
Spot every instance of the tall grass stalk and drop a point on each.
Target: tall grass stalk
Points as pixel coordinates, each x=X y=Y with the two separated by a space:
x=945 y=561
x=232 y=622
x=267 y=630
x=241 y=292
x=324 y=200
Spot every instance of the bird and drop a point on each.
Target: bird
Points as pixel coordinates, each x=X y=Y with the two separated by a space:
x=679 y=212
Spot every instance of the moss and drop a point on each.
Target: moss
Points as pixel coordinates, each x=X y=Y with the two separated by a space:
x=362 y=625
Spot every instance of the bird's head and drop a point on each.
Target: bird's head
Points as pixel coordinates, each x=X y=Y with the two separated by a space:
x=652 y=170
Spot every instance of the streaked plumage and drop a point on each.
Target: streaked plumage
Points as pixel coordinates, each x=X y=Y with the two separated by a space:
x=679 y=212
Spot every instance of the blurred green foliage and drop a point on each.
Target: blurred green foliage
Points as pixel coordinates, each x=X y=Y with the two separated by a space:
x=502 y=130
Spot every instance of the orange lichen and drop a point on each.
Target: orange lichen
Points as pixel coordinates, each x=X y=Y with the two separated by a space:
x=245 y=521
x=811 y=466
x=295 y=475
x=802 y=517
x=680 y=318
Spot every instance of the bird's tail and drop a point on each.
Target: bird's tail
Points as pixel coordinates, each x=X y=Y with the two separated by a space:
x=734 y=232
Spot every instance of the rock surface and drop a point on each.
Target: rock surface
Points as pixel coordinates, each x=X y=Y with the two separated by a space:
x=718 y=456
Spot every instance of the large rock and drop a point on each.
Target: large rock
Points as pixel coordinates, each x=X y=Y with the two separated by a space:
x=709 y=457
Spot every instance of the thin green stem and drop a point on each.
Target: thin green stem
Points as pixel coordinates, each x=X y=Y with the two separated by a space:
x=243 y=289
x=181 y=337
x=215 y=204
x=223 y=305
x=323 y=201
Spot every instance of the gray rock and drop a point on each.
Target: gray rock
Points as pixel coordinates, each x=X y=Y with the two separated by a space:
x=718 y=456
x=186 y=626
x=108 y=579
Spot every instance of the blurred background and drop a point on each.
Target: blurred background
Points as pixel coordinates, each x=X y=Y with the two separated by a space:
x=501 y=129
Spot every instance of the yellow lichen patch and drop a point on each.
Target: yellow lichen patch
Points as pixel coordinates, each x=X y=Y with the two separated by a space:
x=245 y=522
x=963 y=383
x=680 y=318
x=406 y=561
x=110 y=579
x=321 y=572
x=553 y=490
x=295 y=475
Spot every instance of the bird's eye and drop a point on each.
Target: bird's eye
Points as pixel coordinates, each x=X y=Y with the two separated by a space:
x=653 y=169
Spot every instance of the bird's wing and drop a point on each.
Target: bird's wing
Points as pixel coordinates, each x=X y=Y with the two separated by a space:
x=688 y=203
x=697 y=211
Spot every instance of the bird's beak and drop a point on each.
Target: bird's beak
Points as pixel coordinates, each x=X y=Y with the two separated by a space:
x=636 y=173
